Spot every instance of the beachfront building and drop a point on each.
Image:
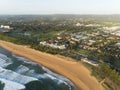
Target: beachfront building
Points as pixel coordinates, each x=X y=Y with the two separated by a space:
x=55 y=46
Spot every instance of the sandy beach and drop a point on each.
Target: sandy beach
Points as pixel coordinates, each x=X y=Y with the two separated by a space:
x=74 y=71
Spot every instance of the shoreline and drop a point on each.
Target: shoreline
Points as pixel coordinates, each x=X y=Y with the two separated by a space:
x=78 y=74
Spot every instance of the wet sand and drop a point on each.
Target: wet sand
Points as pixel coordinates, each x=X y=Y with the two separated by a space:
x=73 y=70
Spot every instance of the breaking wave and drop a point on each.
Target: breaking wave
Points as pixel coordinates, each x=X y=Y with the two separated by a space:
x=19 y=73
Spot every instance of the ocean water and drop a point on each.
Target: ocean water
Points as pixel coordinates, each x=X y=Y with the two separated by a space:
x=19 y=73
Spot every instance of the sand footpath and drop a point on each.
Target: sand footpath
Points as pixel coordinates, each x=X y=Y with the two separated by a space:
x=74 y=71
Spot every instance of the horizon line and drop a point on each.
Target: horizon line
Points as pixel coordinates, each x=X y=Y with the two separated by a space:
x=55 y=14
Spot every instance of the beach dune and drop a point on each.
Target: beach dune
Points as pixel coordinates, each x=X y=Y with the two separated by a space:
x=73 y=70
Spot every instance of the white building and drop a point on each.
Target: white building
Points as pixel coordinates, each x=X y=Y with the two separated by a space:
x=52 y=45
x=79 y=24
x=5 y=26
x=117 y=44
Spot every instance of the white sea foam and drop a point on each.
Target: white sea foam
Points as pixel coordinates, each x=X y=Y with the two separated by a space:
x=24 y=74
x=22 y=69
x=4 y=60
x=13 y=76
x=25 y=60
x=10 y=85
x=58 y=77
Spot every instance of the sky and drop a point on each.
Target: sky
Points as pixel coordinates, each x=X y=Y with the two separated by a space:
x=59 y=7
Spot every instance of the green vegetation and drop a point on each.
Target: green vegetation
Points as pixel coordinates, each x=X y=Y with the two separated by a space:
x=110 y=76
x=107 y=76
x=83 y=36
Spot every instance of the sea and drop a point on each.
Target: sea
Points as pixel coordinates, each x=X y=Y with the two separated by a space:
x=19 y=73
